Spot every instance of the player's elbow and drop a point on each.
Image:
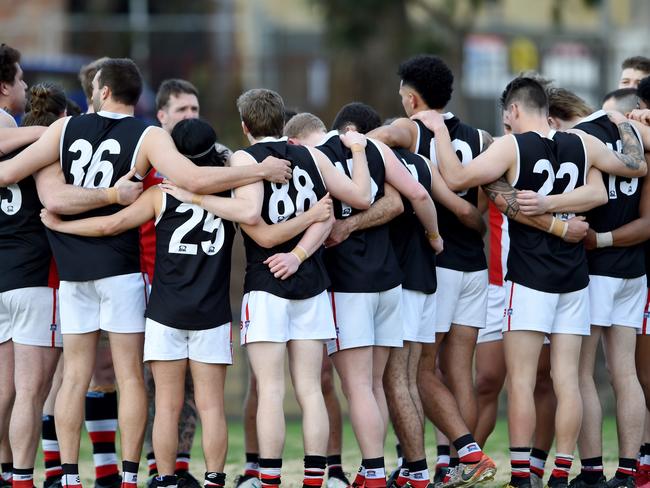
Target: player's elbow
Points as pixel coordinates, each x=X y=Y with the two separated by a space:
x=455 y=183
x=111 y=227
x=53 y=203
x=600 y=196
x=418 y=195
x=251 y=217
x=360 y=203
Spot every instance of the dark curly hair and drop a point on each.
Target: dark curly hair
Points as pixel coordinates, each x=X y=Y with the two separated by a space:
x=8 y=59
x=527 y=91
x=643 y=90
x=430 y=77
x=362 y=116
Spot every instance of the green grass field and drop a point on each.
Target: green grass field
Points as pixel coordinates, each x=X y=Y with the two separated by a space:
x=497 y=447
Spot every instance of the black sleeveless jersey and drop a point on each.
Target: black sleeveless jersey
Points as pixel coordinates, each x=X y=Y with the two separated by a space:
x=463 y=246
x=365 y=262
x=548 y=165
x=24 y=248
x=283 y=202
x=191 y=287
x=96 y=151
x=624 y=197
x=416 y=257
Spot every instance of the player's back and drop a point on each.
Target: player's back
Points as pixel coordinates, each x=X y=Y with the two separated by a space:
x=463 y=246
x=283 y=202
x=192 y=278
x=364 y=262
x=96 y=151
x=622 y=207
x=549 y=165
x=26 y=254
x=414 y=253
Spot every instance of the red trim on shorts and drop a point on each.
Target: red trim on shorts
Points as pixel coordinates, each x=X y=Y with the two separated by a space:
x=509 y=311
x=336 y=326
x=644 y=328
x=247 y=320
x=54 y=316
x=146 y=292
x=495 y=268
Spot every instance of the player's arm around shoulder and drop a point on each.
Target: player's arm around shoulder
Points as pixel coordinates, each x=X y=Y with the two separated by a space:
x=12 y=138
x=145 y=208
x=41 y=153
x=354 y=193
x=401 y=132
x=630 y=164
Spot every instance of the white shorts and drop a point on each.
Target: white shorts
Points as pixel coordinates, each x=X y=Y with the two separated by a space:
x=30 y=316
x=550 y=313
x=163 y=343
x=418 y=315
x=113 y=304
x=462 y=298
x=269 y=318
x=496 y=309
x=617 y=301
x=367 y=319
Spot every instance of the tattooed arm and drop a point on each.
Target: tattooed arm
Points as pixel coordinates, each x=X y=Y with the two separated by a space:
x=630 y=163
x=504 y=196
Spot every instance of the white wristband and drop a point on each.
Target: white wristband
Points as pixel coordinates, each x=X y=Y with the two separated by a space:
x=604 y=239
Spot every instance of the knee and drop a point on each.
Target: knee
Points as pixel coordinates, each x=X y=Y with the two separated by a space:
x=489 y=383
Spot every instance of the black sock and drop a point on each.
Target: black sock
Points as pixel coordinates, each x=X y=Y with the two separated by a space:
x=214 y=479
x=626 y=468
x=335 y=467
x=592 y=469
x=169 y=480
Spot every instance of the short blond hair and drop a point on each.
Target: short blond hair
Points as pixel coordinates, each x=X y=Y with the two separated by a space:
x=303 y=125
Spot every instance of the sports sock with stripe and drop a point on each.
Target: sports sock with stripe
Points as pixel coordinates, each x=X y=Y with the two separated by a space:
x=70 y=478
x=592 y=469
x=335 y=467
x=314 y=471
x=375 y=472
x=626 y=468
x=403 y=475
x=270 y=472
x=51 y=453
x=182 y=463
x=130 y=474
x=519 y=465
x=644 y=457
x=101 y=424
x=443 y=459
x=23 y=478
x=538 y=461
x=252 y=466
x=360 y=477
x=152 y=467
x=469 y=451
x=418 y=473
x=562 y=467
